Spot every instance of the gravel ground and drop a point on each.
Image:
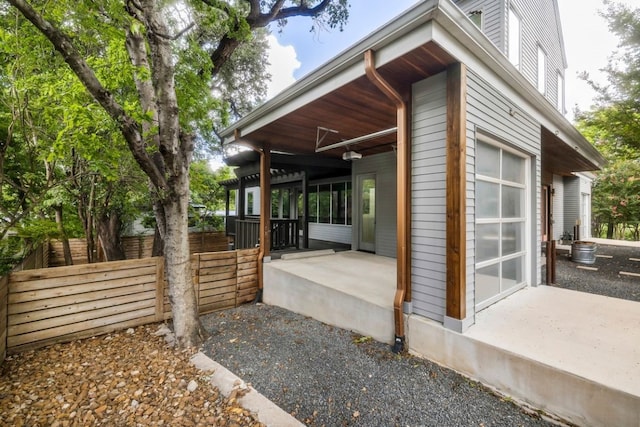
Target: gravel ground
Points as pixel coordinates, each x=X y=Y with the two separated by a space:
x=124 y=379
x=607 y=280
x=326 y=376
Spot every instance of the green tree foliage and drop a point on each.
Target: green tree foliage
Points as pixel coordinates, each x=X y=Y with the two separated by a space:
x=616 y=199
x=173 y=50
x=614 y=125
x=207 y=195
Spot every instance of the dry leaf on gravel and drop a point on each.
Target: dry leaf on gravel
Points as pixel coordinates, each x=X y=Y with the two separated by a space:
x=127 y=378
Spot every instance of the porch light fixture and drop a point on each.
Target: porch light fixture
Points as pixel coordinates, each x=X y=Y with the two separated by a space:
x=351 y=155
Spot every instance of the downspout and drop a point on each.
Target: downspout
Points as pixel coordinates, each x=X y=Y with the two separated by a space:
x=402 y=197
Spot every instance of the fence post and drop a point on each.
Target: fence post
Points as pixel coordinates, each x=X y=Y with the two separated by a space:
x=159 y=289
x=196 y=278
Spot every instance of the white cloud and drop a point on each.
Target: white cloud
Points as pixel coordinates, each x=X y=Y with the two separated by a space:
x=283 y=62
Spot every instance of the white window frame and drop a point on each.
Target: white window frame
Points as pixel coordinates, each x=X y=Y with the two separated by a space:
x=477 y=17
x=526 y=220
x=514 y=38
x=542 y=70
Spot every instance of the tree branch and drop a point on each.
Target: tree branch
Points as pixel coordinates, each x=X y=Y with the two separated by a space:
x=256 y=19
x=127 y=125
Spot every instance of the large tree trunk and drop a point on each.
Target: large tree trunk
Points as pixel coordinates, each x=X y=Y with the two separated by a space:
x=610 y=228
x=182 y=295
x=109 y=230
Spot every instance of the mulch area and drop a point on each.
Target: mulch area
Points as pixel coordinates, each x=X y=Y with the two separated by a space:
x=129 y=378
x=607 y=280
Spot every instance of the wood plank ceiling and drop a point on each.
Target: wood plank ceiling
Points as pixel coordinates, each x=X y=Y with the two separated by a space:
x=560 y=159
x=355 y=109
x=359 y=108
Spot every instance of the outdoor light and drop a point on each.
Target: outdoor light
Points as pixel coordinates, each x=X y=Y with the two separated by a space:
x=351 y=155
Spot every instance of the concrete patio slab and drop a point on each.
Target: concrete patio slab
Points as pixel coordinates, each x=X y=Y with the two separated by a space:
x=572 y=354
x=351 y=290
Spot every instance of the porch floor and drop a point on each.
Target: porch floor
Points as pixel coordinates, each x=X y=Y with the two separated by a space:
x=573 y=354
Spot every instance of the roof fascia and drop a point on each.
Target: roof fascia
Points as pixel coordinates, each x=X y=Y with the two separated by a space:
x=556 y=10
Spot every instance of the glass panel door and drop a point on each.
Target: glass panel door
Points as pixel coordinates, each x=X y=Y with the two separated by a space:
x=367 y=231
x=501 y=223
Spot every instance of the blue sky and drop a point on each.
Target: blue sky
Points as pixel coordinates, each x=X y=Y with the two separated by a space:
x=313 y=49
x=588 y=43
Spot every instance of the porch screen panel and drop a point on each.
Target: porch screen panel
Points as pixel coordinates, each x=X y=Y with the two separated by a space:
x=501 y=180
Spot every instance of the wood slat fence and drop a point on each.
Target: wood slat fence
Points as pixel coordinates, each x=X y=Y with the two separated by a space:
x=47 y=306
x=136 y=247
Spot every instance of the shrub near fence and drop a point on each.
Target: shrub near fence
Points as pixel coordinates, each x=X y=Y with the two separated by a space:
x=47 y=306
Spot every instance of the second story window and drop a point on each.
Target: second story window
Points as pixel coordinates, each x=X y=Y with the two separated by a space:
x=514 y=38
x=560 y=101
x=476 y=18
x=542 y=71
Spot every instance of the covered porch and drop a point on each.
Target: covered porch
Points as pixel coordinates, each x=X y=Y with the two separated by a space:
x=570 y=354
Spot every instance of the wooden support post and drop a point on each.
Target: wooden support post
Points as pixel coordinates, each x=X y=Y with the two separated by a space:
x=159 y=312
x=305 y=210
x=265 y=214
x=456 y=192
x=241 y=199
x=265 y=199
x=551 y=263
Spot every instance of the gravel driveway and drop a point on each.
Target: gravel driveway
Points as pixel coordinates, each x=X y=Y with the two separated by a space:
x=326 y=376
x=607 y=280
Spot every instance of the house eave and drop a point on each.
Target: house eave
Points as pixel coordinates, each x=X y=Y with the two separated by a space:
x=439 y=21
x=381 y=37
x=452 y=20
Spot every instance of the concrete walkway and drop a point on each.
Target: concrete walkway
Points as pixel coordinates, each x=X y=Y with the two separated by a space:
x=592 y=336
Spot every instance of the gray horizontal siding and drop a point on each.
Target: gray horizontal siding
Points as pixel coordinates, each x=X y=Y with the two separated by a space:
x=488 y=111
x=428 y=198
x=493 y=16
x=540 y=26
x=558 y=207
x=572 y=198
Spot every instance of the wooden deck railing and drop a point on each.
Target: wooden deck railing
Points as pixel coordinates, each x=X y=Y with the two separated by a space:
x=284 y=233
